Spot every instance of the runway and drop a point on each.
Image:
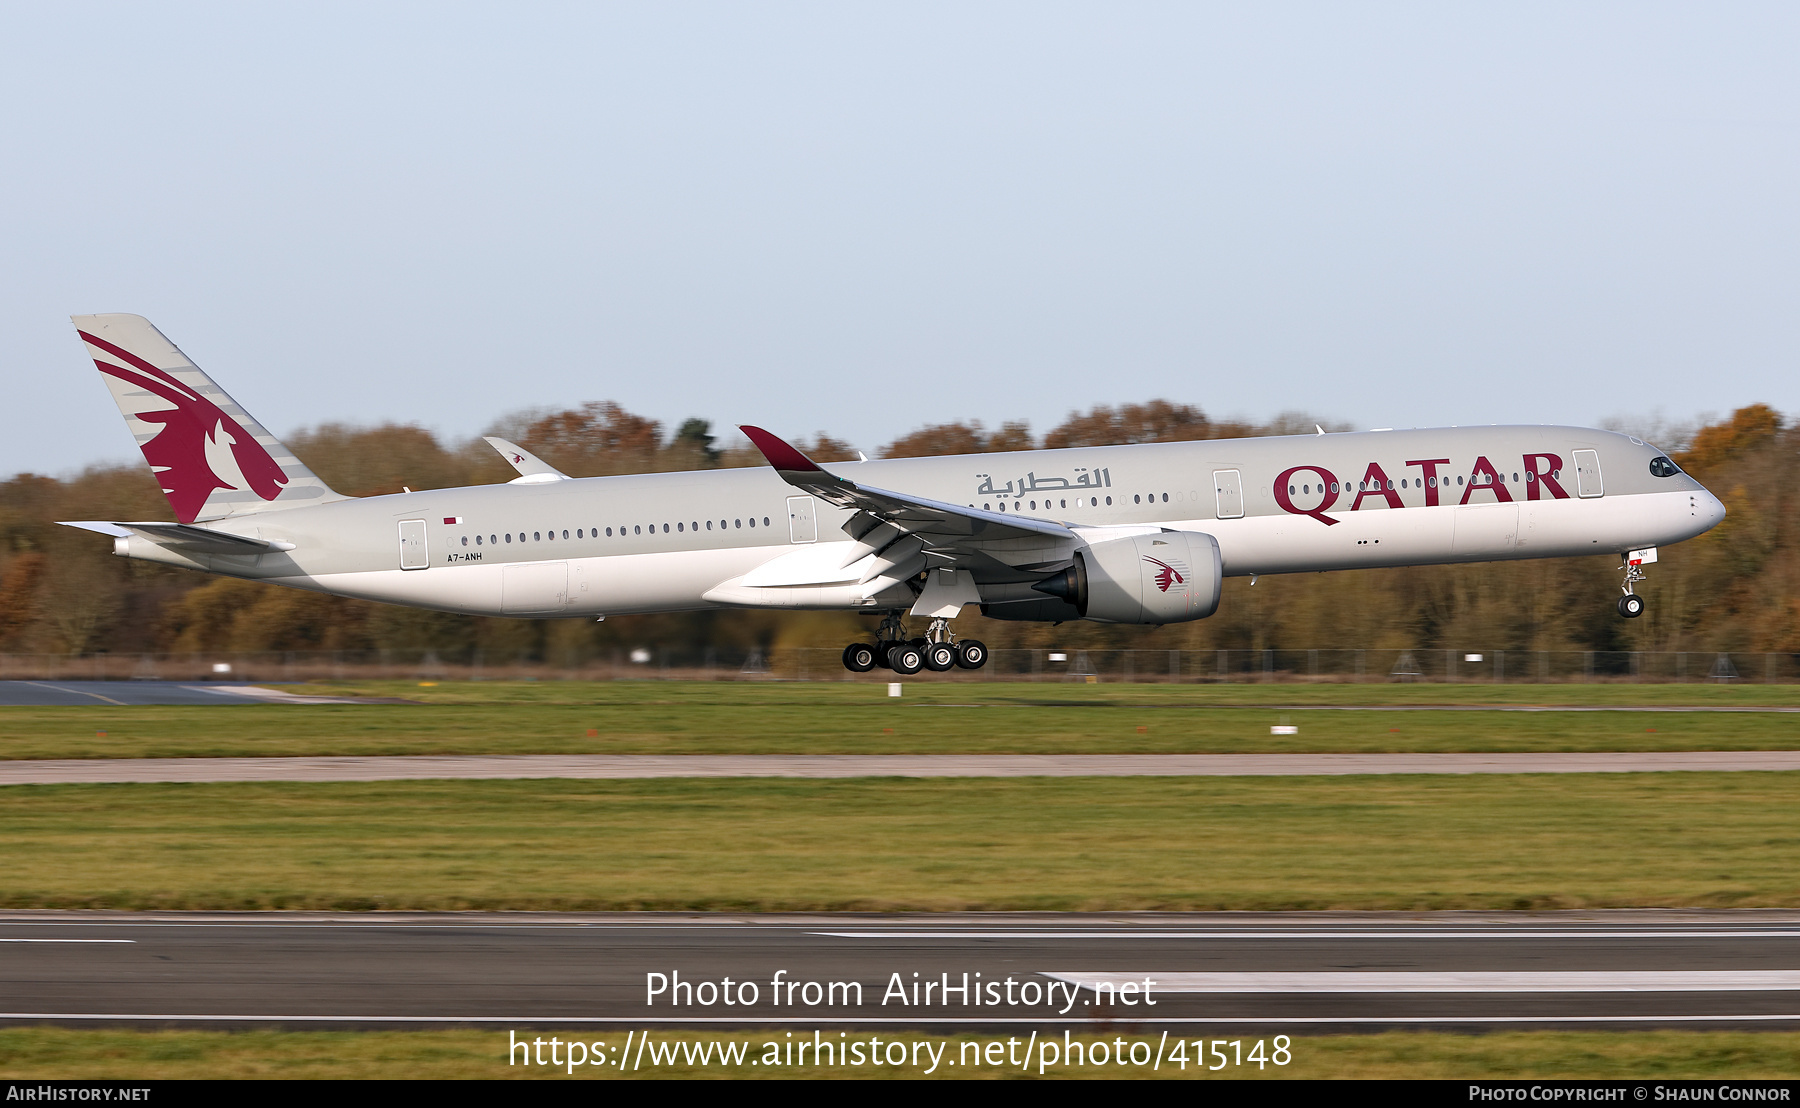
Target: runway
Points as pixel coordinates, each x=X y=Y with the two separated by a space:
x=624 y=766
x=1266 y=973
x=89 y=694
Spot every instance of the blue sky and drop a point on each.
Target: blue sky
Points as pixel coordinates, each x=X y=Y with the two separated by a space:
x=860 y=218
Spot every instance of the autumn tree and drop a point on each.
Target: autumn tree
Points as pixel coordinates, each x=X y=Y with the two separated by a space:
x=959 y=438
x=1155 y=421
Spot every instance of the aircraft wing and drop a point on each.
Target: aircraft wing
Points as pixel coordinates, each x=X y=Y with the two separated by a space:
x=184 y=536
x=906 y=533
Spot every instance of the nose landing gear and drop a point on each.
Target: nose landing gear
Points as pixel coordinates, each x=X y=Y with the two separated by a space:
x=1631 y=605
x=937 y=650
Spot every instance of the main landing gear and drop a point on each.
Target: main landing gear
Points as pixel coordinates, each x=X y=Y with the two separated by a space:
x=937 y=650
x=1631 y=605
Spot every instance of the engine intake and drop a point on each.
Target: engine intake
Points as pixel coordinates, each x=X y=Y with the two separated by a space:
x=1170 y=577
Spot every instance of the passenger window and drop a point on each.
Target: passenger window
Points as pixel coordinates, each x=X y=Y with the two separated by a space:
x=740 y=523
x=1135 y=499
x=1109 y=502
x=637 y=530
x=1064 y=503
x=681 y=527
x=565 y=534
x=1165 y=498
x=753 y=521
x=709 y=525
x=465 y=540
x=609 y=532
x=665 y=528
x=765 y=521
x=509 y=536
x=1093 y=502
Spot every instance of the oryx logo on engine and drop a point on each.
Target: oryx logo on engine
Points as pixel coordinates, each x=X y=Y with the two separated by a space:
x=1168 y=576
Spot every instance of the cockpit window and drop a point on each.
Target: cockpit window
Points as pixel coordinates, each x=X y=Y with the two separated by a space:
x=1663 y=467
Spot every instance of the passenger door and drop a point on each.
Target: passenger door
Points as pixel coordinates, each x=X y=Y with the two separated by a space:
x=1587 y=474
x=414 y=553
x=802 y=524
x=1228 y=488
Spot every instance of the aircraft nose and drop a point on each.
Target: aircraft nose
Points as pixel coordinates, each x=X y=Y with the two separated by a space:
x=1709 y=509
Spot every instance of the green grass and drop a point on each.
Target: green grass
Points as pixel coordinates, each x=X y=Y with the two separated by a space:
x=1414 y=842
x=55 y=1053
x=858 y=718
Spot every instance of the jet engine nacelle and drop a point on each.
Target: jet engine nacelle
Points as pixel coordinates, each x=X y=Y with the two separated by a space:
x=1168 y=577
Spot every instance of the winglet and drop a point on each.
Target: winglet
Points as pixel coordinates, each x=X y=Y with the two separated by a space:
x=780 y=455
x=533 y=470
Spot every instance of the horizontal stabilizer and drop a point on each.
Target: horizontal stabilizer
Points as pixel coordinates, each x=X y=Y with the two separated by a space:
x=184 y=536
x=533 y=470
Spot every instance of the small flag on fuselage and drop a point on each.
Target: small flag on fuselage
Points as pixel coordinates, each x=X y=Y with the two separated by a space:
x=451 y=521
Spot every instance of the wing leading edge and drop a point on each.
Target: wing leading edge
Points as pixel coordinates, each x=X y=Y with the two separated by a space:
x=897 y=535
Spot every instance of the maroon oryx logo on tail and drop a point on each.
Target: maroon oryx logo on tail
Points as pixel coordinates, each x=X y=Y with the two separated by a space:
x=1168 y=577
x=195 y=435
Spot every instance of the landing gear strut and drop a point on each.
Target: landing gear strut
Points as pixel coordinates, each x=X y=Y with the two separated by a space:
x=937 y=650
x=1631 y=605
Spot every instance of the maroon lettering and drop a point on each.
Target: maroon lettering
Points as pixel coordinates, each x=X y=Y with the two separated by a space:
x=1376 y=483
x=1493 y=484
x=1551 y=464
x=1429 y=467
x=1326 y=482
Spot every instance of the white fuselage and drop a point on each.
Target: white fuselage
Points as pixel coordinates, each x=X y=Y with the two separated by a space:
x=745 y=538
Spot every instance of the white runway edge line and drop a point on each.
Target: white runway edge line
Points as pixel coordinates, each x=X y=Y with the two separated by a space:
x=1418 y=934
x=1425 y=981
x=882 y=1021
x=68 y=940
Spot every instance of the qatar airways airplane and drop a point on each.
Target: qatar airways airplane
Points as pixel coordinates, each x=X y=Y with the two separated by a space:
x=1116 y=534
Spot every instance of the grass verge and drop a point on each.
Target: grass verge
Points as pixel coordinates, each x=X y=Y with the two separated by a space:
x=1415 y=842
x=858 y=718
x=57 y=1053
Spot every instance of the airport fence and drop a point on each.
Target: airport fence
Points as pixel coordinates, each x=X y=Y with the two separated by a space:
x=1461 y=666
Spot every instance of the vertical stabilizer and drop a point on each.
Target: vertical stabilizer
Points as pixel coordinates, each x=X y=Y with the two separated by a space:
x=212 y=458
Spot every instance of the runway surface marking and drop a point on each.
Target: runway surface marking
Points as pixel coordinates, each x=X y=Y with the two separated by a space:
x=75 y=692
x=824 y=1020
x=1422 y=933
x=418 y=767
x=68 y=940
x=1424 y=981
